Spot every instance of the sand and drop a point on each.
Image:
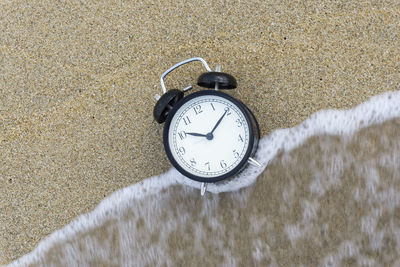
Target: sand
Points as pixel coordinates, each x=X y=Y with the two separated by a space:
x=77 y=81
x=339 y=208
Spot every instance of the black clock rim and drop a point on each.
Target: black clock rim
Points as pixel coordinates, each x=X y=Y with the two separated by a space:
x=243 y=108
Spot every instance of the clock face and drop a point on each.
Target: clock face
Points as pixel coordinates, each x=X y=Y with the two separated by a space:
x=209 y=136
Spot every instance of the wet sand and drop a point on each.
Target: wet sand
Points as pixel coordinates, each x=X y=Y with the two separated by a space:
x=78 y=80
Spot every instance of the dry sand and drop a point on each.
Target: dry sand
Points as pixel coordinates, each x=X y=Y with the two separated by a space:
x=77 y=81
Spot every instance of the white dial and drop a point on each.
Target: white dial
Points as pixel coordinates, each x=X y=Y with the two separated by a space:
x=209 y=136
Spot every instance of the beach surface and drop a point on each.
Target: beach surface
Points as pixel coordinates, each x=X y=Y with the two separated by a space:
x=77 y=81
x=332 y=201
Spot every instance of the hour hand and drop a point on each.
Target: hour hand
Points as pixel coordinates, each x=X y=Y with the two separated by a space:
x=196 y=134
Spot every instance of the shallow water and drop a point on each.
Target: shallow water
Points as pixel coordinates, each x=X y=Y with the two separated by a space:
x=327 y=196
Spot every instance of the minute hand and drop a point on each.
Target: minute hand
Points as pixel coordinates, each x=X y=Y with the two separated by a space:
x=218 y=122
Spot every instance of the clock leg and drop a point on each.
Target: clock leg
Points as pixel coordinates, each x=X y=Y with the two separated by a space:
x=254 y=162
x=203 y=189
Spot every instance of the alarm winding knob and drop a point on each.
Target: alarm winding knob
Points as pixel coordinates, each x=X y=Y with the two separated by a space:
x=166 y=103
x=211 y=78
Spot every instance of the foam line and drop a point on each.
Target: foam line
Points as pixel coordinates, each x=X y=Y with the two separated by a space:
x=333 y=122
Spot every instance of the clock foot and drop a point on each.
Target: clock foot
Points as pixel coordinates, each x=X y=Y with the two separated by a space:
x=203 y=189
x=254 y=162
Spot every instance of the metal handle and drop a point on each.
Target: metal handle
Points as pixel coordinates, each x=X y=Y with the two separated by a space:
x=178 y=65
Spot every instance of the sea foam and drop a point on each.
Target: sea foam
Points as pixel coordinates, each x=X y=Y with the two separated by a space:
x=327 y=122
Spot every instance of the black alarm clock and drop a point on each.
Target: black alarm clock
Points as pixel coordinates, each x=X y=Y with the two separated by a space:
x=209 y=136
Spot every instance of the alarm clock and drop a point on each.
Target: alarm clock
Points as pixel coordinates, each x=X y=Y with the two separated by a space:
x=208 y=136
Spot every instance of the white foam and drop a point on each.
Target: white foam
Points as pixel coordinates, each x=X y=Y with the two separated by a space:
x=332 y=122
x=293 y=232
